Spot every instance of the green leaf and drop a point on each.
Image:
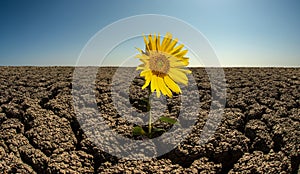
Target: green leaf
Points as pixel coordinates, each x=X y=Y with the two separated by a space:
x=168 y=120
x=137 y=130
x=158 y=130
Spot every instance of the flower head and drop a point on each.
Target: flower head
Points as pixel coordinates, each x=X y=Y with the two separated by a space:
x=163 y=65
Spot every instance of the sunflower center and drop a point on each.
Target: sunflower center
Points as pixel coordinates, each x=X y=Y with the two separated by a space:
x=159 y=63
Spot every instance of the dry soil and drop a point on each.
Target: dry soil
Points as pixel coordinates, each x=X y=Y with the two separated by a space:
x=259 y=131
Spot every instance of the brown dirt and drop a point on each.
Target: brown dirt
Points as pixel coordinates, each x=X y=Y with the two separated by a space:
x=259 y=132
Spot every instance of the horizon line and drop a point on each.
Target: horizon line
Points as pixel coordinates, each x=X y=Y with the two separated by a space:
x=114 y=66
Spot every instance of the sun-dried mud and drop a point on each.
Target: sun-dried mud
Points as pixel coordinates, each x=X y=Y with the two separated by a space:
x=259 y=131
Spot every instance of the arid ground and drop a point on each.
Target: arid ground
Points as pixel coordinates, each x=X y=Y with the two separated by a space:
x=259 y=131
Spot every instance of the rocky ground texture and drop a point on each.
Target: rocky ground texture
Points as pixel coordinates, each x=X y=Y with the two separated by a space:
x=259 y=131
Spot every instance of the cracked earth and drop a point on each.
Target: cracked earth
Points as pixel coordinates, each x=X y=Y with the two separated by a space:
x=259 y=131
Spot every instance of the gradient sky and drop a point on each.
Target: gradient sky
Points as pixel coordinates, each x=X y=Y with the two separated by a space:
x=243 y=33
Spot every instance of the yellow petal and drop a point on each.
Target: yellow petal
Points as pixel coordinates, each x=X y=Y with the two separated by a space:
x=146 y=43
x=185 y=61
x=144 y=61
x=141 y=67
x=166 y=41
x=162 y=86
x=146 y=83
x=176 y=63
x=142 y=56
x=147 y=78
x=178 y=76
x=158 y=42
x=186 y=71
x=144 y=73
x=177 y=49
x=141 y=51
x=181 y=53
x=151 y=44
x=171 y=45
x=154 y=43
x=172 y=85
x=153 y=83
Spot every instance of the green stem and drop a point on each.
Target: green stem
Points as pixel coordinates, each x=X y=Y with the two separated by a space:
x=150 y=119
x=150 y=125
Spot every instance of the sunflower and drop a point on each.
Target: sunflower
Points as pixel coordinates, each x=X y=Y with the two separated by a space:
x=163 y=65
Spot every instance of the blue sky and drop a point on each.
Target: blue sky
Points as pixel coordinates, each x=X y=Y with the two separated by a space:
x=243 y=33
